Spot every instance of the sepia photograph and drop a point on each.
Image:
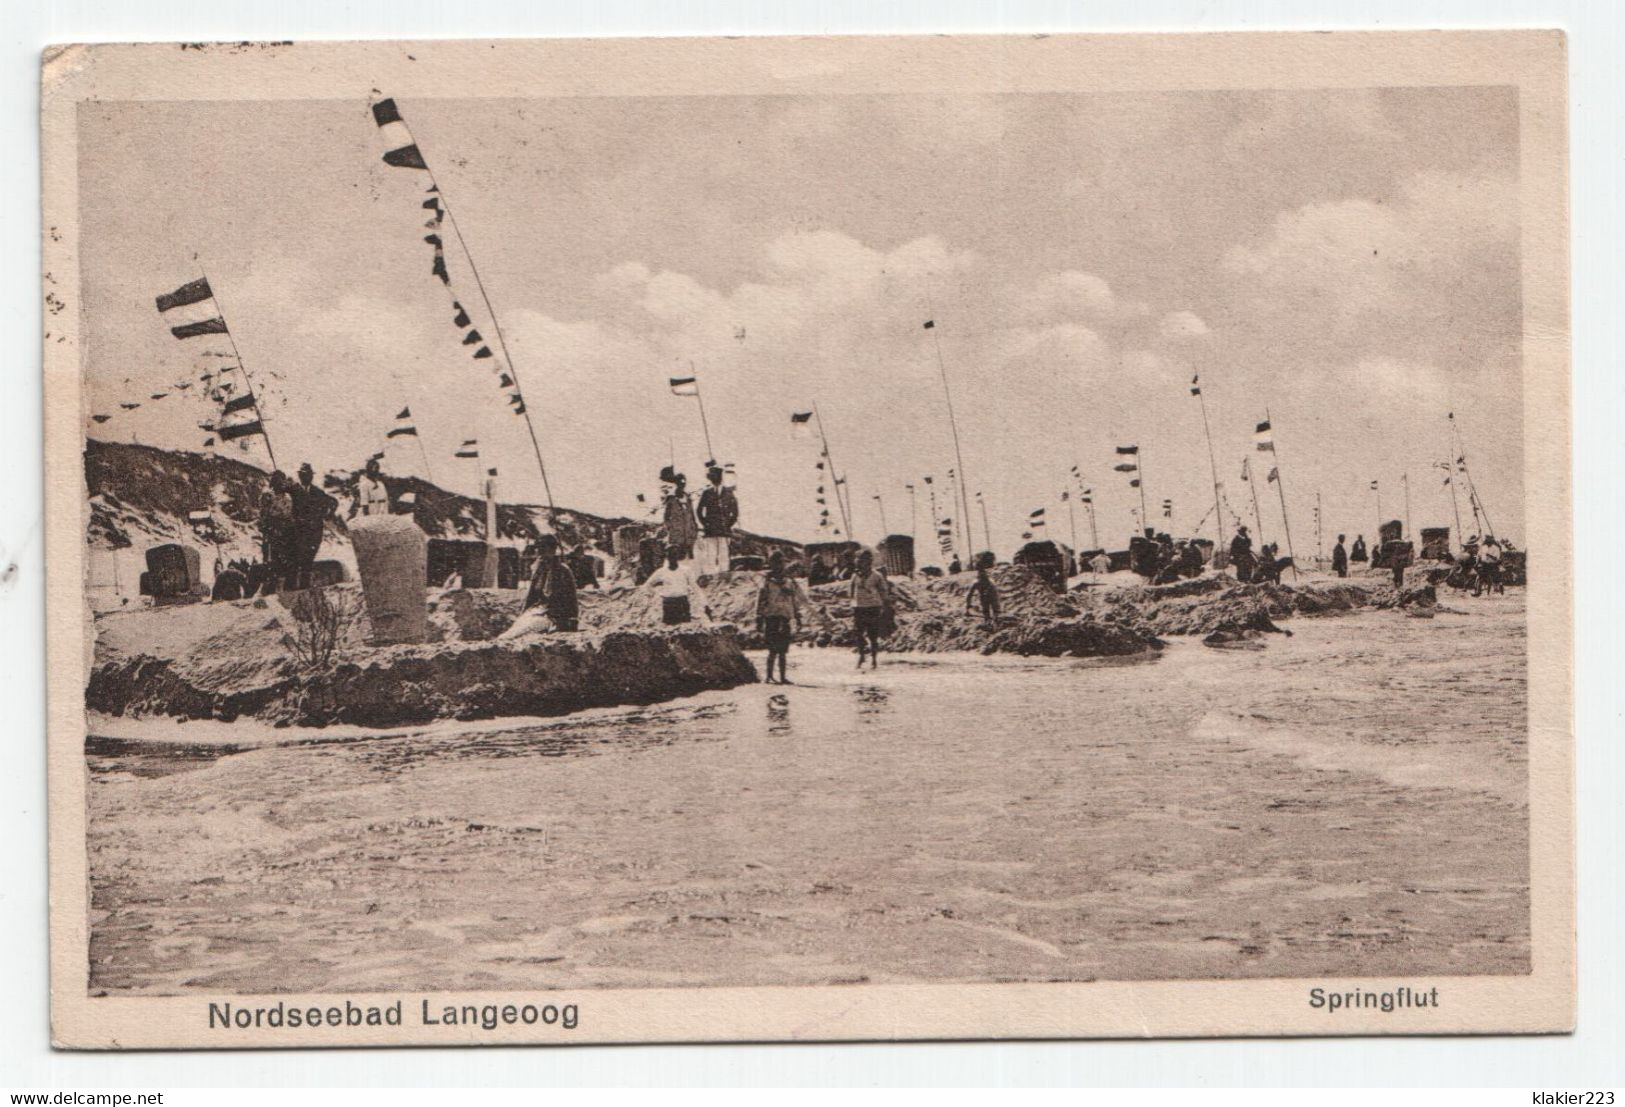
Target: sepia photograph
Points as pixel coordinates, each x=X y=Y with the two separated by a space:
x=808 y=538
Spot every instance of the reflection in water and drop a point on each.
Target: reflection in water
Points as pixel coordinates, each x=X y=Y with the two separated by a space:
x=778 y=714
x=148 y=759
x=389 y=756
x=872 y=700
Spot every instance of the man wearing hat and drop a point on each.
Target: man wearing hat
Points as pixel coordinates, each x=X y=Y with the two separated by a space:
x=681 y=530
x=311 y=508
x=718 y=511
x=1241 y=554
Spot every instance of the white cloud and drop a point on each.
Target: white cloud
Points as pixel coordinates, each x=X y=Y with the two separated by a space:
x=1181 y=326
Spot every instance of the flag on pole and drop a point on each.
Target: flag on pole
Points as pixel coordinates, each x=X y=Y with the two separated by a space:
x=1245 y=470
x=190 y=310
x=688 y=386
x=1167 y=509
x=1275 y=475
x=1126 y=467
x=469 y=448
x=241 y=430
x=404 y=426
x=801 y=424
x=1373 y=486
x=403 y=150
x=930 y=323
x=1264 y=438
x=1196 y=385
x=1131 y=450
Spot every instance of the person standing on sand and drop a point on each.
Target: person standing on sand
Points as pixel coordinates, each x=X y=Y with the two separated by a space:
x=311 y=508
x=780 y=602
x=1397 y=560
x=983 y=589
x=371 y=497
x=1241 y=554
x=1358 y=553
x=718 y=513
x=680 y=527
x=276 y=534
x=1340 y=558
x=871 y=607
x=675 y=584
x=1489 y=568
x=553 y=588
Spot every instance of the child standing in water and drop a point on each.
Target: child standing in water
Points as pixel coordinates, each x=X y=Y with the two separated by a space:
x=778 y=604
x=871 y=605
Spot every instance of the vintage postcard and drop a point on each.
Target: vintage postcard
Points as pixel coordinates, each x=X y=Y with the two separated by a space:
x=768 y=539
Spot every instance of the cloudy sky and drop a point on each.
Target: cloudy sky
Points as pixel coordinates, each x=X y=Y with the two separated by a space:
x=1347 y=259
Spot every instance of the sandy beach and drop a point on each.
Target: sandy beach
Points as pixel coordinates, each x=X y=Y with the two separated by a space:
x=1348 y=800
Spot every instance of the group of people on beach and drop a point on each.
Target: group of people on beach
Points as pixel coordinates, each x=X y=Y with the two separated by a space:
x=292 y=516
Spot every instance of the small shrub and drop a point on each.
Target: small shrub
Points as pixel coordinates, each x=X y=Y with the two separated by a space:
x=323 y=619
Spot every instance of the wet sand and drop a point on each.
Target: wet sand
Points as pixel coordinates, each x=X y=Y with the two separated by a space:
x=1347 y=801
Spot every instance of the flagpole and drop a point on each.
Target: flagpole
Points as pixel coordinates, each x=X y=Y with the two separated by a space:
x=502 y=341
x=1213 y=467
x=1258 y=516
x=885 y=531
x=428 y=470
x=711 y=454
x=1094 y=528
x=1280 y=488
x=1376 y=486
x=987 y=531
x=913 y=517
x=1320 y=542
x=834 y=478
x=242 y=368
x=934 y=523
x=1139 y=467
x=1455 y=505
x=1472 y=485
x=1072 y=523
x=953 y=424
x=1405 y=479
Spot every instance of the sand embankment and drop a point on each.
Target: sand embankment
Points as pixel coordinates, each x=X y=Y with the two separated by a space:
x=235 y=660
x=232 y=660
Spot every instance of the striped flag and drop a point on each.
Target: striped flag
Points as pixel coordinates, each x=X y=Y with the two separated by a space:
x=403 y=149
x=404 y=425
x=1263 y=437
x=190 y=310
x=687 y=386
